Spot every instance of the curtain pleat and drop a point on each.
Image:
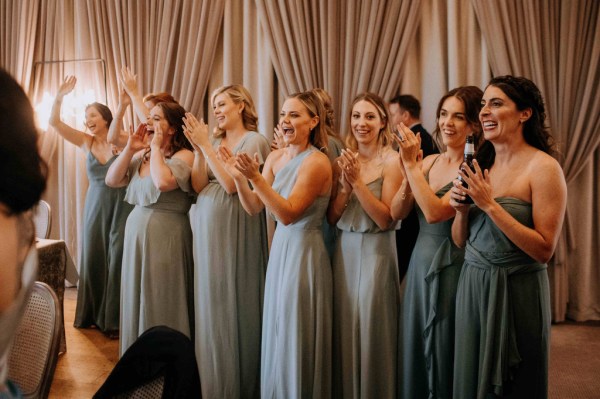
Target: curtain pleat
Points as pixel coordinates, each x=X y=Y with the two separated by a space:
x=345 y=48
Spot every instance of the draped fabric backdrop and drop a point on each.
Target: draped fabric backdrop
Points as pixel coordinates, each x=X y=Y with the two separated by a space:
x=343 y=47
x=242 y=58
x=448 y=51
x=274 y=48
x=556 y=45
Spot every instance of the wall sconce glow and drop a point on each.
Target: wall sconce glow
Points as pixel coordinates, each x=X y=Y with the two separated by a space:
x=42 y=111
x=72 y=111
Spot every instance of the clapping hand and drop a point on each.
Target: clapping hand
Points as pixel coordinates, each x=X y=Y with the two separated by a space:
x=409 y=146
x=480 y=189
x=228 y=159
x=278 y=141
x=348 y=163
x=196 y=131
x=124 y=99
x=249 y=167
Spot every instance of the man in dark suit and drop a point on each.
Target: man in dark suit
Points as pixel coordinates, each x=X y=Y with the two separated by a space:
x=407 y=109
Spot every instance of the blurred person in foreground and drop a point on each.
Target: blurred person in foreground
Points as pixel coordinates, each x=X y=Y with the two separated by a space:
x=22 y=182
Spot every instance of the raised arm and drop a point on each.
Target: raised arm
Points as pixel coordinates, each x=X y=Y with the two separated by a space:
x=434 y=208
x=74 y=136
x=117 y=134
x=197 y=133
x=129 y=83
x=117 y=172
x=340 y=194
x=403 y=202
x=377 y=209
x=314 y=177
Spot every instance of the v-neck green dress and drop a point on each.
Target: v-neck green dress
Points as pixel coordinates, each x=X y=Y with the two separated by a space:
x=230 y=262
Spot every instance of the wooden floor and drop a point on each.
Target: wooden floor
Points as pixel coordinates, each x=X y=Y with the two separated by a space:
x=574 y=360
x=89 y=359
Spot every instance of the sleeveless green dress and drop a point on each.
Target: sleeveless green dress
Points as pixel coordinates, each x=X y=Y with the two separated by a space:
x=366 y=305
x=502 y=314
x=428 y=307
x=104 y=216
x=296 y=331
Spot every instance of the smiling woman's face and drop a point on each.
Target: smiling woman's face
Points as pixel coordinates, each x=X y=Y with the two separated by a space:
x=94 y=120
x=295 y=121
x=499 y=115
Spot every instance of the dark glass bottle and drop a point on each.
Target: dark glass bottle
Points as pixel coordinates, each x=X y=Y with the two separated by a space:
x=468 y=160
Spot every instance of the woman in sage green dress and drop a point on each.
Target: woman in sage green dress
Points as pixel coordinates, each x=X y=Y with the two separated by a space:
x=428 y=303
x=334 y=150
x=503 y=300
x=156 y=285
x=104 y=217
x=230 y=251
x=366 y=285
x=294 y=187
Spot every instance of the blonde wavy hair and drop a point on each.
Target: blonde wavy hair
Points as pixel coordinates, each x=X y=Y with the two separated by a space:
x=238 y=94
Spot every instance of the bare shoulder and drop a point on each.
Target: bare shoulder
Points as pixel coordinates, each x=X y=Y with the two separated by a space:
x=428 y=161
x=390 y=156
x=275 y=155
x=316 y=166
x=545 y=173
x=543 y=164
x=318 y=159
x=185 y=155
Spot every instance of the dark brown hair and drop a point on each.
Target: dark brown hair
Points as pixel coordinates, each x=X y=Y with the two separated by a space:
x=22 y=170
x=103 y=110
x=174 y=114
x=525 y=94
x=470 y=96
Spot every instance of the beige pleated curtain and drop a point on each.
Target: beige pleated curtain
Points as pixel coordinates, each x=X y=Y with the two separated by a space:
x=343 y=47
x=169 y=44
